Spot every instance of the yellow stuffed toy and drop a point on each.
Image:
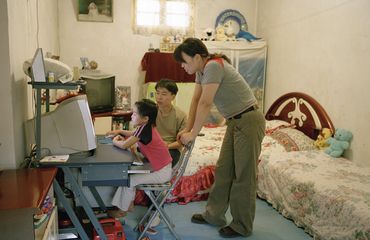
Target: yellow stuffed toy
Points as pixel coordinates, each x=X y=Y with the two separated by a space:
x=321 y=141
x=220 y=34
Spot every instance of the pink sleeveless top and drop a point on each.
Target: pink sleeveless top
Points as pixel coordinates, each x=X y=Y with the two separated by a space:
x=155 y=151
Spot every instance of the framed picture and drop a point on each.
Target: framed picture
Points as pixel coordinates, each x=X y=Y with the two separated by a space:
x=123 y=98
x=95 y=10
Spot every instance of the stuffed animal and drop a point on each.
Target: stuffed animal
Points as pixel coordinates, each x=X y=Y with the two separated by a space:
x=321 y=141
x=209 y=34
x=220 y=34
x=229 y=30
x=339 y=142
x=93 y=9
x=247 y=36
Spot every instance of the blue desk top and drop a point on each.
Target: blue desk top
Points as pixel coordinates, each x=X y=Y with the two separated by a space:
x=103 y=154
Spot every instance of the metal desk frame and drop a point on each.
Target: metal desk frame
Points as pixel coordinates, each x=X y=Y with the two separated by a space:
x=109 y=166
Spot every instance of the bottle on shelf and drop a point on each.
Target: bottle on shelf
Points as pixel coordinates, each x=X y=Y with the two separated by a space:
x=52 y=92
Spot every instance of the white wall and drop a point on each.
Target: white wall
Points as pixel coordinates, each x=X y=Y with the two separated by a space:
x=322 y=48
x=18 y=42
x=116 y=49
x=7 y=151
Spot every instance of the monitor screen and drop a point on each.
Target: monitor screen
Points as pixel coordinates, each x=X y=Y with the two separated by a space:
x=38 y=67
x=100 y=93
x=66 y=130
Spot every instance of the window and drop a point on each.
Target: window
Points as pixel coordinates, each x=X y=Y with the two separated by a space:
x=164 y=17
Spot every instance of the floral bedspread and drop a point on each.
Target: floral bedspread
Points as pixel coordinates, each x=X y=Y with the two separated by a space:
x=206 y=149
x=200 y=171
x=328 y=197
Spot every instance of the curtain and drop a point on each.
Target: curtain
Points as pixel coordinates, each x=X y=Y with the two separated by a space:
x=161 y=27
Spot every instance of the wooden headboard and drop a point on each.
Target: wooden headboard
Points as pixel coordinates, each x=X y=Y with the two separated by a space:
x=302 y=110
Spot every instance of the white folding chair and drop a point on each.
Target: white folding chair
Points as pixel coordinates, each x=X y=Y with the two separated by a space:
x=158 y=193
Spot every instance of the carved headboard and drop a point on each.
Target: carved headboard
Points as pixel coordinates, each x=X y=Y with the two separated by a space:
x=302 y=110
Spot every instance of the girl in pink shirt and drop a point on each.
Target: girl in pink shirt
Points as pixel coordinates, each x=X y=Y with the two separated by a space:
x=151 y=146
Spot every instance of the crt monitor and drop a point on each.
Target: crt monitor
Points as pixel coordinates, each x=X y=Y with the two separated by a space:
x=66 y=130
x=100 y=91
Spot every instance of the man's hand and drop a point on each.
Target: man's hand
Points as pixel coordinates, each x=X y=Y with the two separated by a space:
x=181 y=133
x=187 y=137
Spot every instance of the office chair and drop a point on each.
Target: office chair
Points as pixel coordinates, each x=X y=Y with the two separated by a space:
x=158 y=193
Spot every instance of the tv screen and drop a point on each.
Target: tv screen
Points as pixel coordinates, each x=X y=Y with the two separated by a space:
x=100 y=93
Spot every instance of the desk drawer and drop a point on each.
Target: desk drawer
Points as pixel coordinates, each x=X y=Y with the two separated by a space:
x=105 y=175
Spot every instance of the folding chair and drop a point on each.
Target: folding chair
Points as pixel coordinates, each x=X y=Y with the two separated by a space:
x=158 y=193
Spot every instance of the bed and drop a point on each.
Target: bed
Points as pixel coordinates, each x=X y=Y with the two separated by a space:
x=328 y=197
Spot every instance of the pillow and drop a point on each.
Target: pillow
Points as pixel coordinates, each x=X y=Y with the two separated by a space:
x=272 y=124
x=293 y=140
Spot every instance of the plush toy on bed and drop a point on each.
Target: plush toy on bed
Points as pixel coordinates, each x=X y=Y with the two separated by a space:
x=322 y=140
x=339 y=142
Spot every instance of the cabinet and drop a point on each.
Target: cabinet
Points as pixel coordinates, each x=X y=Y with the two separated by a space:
x=22 y=193
x=160 y=65
x=249 y=58
x=49 y=230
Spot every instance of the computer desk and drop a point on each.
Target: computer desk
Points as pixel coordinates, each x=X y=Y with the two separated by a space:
x=109 y=166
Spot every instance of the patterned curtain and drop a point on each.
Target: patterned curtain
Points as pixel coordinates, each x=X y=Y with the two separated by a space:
x=163 y=29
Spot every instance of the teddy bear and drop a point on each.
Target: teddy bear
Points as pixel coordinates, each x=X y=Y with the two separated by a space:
x=321 y=141
x=93 y=9
x=220 y=33
x=229 y=30
x=339 y=142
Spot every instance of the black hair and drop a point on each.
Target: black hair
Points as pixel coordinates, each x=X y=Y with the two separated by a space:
x=147 y=108
x=168 y=84
x=194 y=46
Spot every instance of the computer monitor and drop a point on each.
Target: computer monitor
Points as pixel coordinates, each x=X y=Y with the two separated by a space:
x=38 y=67
x=66 y=130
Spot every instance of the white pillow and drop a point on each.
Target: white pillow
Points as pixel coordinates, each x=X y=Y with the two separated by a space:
x=271 y=124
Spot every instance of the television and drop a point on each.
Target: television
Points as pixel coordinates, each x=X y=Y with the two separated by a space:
x=38 y=67
x=66 y=130
x=100 y=92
